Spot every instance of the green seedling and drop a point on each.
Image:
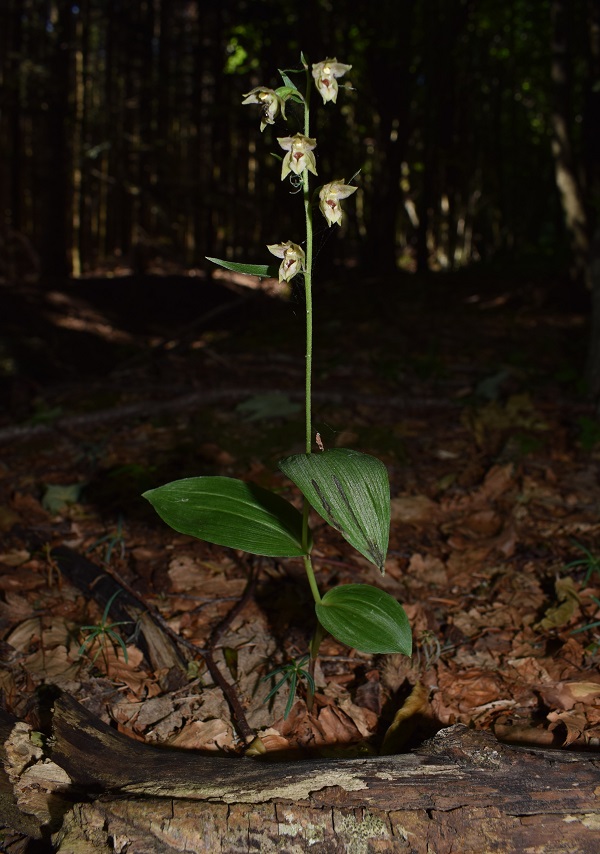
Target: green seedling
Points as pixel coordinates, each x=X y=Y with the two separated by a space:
x=292 y=672
x=348 y=489
x=590 y=562
x=113 y=541
x=595 y=645
x=103 y=633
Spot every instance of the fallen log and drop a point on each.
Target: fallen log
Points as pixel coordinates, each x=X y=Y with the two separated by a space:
x=97 y=790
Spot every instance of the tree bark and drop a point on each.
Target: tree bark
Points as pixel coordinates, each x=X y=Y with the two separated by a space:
x=593 y=360
x=99 y=791
x=567 y=180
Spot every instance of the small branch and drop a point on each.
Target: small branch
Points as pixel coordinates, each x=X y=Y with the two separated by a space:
x=229 y=691
x=199 y=399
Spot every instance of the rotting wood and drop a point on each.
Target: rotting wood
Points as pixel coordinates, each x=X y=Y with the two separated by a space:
x=162 y=653
x=161 y=644
x=462 y=790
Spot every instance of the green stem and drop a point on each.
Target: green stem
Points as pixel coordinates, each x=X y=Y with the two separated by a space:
x=309 y=319
x=309 y=342
x=308 y=275
x=311 y=574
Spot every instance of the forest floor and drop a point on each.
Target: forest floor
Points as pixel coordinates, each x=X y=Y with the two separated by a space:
x=467 y=387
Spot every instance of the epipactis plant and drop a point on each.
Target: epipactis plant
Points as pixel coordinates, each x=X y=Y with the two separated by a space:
x=348 y=489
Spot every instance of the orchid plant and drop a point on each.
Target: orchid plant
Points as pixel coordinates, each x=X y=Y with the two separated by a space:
x=348 y=489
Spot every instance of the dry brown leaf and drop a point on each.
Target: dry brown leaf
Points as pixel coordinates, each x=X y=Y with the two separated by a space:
x=414 y=510
x=574 y=722
x=112 y=663
x=215 y=734
x=16 y=557
x=190 y=575
x=428 y=569
x=481 y=523
x=497 y=481
x=530 y=669
x=273 y=741
x=24 y=579
x=566 y=694
x=558 y=615
x=363 y=719
x=15 y=608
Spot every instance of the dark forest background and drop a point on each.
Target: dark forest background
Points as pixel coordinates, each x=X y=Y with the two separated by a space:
x=475 y=124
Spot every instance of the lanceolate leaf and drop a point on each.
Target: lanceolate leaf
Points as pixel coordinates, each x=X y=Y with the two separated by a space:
x=349 y=490
x=365 y=618
x=289 y=92
x=231 y=513
x=289 y=83
x=265 y=271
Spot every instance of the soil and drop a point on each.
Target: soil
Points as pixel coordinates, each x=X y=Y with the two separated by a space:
x=467 y=387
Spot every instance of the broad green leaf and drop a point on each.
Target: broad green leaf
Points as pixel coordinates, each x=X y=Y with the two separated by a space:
x=349 y=490
x=365 y=618
x=230 y=512
x=270 y=271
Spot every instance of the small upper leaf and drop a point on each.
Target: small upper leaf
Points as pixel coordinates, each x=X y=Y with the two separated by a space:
x=289 y=83
x=265 y=271
x=230 y=512
x=349 y=490
x=365 y=618
x=289 y=93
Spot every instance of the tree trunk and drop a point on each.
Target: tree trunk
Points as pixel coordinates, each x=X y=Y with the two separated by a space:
x=55 y=171
x=462 y=791
x=593 y=363
x=567 y=179
x=592 y=171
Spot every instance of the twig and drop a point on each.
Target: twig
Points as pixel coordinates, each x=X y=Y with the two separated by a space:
x=229 y=690
x=195 y=400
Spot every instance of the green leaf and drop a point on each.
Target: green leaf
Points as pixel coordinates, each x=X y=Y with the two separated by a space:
x=57 y=496
x=365 y=618
x=288 y=81
x=270 y=271
x=289 y=93
x=349 y=490
x=231 y=513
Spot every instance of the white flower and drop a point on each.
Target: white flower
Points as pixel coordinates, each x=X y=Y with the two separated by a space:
x=299 y=154
x=325 y=74
x=270 y=102
x=293 y=259
x=329 y=200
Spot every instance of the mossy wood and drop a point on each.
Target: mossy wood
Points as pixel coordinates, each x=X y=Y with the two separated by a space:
x=460 y=791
